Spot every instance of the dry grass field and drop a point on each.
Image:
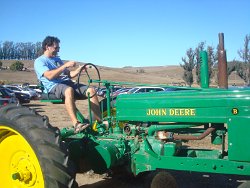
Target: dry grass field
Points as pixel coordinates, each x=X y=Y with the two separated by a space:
x=171 y=75
x=154 y=75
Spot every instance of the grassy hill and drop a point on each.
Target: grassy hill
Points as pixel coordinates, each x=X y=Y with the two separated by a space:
x=171 y=75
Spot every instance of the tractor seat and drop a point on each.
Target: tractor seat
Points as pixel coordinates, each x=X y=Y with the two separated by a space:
x=48 y=96
x=51 y=97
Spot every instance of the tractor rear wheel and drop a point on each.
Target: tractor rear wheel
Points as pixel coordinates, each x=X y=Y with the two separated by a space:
x=30 y=153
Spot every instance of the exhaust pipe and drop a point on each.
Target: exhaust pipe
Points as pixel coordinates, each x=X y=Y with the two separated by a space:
x=222 y=64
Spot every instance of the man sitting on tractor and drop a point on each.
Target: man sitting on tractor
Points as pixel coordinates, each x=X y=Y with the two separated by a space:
x=56 y=79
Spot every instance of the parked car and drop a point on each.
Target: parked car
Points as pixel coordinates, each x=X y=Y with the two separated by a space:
x=35 y=87
x=121 y=91
x=6 y=98
x=167 y=89
x=144 y=89
x=102 y=91
x=21 y=97
x=239 y=87
x=32 y=93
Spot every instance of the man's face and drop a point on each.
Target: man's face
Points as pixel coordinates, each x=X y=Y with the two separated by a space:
x=53 y=49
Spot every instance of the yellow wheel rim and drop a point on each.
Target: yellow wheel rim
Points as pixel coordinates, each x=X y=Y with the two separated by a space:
x=19 y=166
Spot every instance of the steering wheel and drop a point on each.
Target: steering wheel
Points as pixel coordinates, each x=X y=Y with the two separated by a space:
x=90 y=70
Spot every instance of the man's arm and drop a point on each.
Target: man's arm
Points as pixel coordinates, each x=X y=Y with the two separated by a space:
x=74 y=73
x=55 y=73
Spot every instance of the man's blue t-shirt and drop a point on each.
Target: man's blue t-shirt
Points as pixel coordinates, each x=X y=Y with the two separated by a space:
x=43 y=64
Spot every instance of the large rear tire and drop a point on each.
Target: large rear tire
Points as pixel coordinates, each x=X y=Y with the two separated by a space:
x=30 y=153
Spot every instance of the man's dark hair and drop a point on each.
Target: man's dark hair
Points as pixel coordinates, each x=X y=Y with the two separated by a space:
x=49 y=41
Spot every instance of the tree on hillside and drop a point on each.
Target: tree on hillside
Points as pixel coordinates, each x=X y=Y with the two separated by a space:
x=1 y=64
x=193 y=60
x=212 y=60
x=200 y=47
x=20 y=50
x=38 y=49
x=231 y=66
x=7 y=50
x=17 y=66
x=188 y=66
x=243 y=69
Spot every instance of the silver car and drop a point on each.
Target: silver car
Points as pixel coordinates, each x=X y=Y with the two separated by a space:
x=32 y=93
x=144 y=89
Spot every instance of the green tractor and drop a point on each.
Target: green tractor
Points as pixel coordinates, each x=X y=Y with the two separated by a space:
x=147 y=132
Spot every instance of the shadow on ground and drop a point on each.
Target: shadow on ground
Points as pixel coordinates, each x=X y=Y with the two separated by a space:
x=37 y=107
x=183 y=179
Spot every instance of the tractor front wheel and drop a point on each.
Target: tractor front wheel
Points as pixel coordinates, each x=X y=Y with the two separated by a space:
x=30 y=153
x=158 y=178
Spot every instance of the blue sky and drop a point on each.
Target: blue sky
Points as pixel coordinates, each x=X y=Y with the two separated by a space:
x=118 y=33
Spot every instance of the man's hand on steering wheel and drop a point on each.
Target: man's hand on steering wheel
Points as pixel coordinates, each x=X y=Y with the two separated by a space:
x=84 y=69
x=79 y=69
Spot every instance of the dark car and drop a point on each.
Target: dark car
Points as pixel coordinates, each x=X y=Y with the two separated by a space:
x=3 y=102
x=21 y=97
x=102 y=91
x=6 y=98
x=32 y=93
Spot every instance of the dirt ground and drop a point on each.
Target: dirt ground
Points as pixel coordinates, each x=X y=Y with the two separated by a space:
x=58 y=117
